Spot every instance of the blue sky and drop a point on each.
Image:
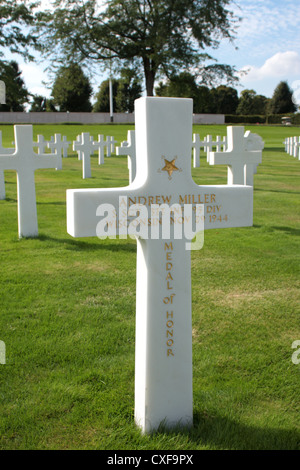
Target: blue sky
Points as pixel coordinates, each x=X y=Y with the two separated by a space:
x=267 y=42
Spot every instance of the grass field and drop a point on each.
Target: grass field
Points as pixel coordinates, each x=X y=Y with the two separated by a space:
x=67 y=316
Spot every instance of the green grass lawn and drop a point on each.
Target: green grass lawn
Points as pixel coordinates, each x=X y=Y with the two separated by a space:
x=67 y=316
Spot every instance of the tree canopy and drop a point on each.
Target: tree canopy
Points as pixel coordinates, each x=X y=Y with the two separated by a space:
x=282 y=100
x=14 y=14
x=72 y=90
x=157 y=36
x=16 y=92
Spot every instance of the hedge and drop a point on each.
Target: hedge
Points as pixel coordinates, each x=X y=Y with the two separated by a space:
x=255 y=119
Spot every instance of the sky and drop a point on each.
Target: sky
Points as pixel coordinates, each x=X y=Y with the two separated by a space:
x=267 y=46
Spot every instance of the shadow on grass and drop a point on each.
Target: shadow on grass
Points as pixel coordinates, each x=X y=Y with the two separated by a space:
x=288 y=230
x=275 y=149
x=276 y=191
x=223 y=433
x=72 y=244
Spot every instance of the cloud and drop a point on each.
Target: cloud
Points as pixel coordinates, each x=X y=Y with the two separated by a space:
x=281 y=65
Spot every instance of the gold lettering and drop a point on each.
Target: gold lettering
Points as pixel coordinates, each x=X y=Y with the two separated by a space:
x=168 y=286
x=169 y=266
x=182 y=200
x=131 y=200
x=168 y=246
x=170 y=314
x=170 y=352
x=169 y=276
x=169 y=333
x=169 y=256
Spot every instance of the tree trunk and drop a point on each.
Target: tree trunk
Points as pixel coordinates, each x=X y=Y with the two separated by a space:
x=149 y=71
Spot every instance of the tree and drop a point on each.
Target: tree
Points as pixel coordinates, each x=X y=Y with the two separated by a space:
x=224 y=100
x=250 y=103
x=157 y=36
x=16 y=92
x=72 y=90
x=126 y=90
x=14 y=14
x=102 y=104
x=281 y=102
x=129 y=90
x=180 y=86
x=38 y=104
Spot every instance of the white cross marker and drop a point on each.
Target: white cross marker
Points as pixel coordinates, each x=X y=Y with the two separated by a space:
x=163 y=367
x=253 y=142
x=113 y=143
x=66 y=144
x=128 y=148
x=25 y=161
x=240 y=161
x=3 y=151
x=101 y=145
x=57 y=146
x=209 y=145
x=86 y=148
x=108 y=146
x=196 y=146
x=41 y=144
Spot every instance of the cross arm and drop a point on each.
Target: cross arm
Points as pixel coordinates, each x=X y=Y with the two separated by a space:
x=46 y=161
x=9 y=162
x=82 y=208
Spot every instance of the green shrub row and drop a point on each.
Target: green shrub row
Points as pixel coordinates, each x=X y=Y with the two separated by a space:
x=255 y=119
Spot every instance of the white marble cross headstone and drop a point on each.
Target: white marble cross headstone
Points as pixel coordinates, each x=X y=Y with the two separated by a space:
x=41 y=144
x=163 y=363
x=237 y=157
x=112 y=143
x=128 y=148
x=57 y=146
x=86 y=147
x=3 y=151
x=196 y=146
x=102 y=144
x=108 y=146
x=25 y=161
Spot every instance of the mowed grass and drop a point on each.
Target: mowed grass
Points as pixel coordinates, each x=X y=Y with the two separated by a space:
x=67 y=316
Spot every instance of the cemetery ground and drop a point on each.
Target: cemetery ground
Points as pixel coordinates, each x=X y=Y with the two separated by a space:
x=67 y=315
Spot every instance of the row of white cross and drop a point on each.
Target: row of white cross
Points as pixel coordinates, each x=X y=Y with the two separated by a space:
x=239 y=147
x=292 y=146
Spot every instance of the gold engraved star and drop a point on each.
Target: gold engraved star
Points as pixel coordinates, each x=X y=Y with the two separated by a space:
x=170 y=167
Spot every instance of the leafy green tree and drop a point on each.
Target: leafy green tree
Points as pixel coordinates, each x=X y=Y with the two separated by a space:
x=250 y=103
x=38 y=104
x=17 y=94
x=102 y=104
x=181 y=86
x=281 y=102
x=126 y=90
x=14 y=15
x=155 y=36
x=129 y=89
x=224 y=100
x=72 y=90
